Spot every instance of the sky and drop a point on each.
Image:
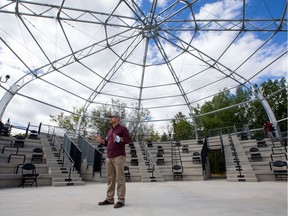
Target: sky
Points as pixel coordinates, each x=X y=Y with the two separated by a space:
x=133 y=53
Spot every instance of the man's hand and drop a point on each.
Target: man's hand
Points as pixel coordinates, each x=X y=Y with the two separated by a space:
x=116 y=138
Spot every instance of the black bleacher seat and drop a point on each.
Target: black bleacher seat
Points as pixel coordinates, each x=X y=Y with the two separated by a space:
x=178 y=143
x=33 y=134
x=196 y=157
x=177 y=171
x=127 y=173
x=149 y=144
x=131 y=145
x=160 y=149
x=37 y=155
x=255 y=154
x=134 y=159
x=133 y=151
x=5 y=130
x=243 y=136
x=29 y=175
x=19 y=141
x=261 y=143
x=279 y=169
x=159 y=159
x=185 y=148
x=200 y=141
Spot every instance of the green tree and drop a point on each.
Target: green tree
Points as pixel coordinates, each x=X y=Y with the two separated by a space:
x=138 y=126
x=164 y=137
x=222 y=118
x=152 y=135
x=242 y=111
x=183 y=129
x=97 y=122
x=242 y=96
x=69 y=122
x=276 y=95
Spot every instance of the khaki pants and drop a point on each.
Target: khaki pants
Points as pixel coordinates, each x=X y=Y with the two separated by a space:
x=115 y=175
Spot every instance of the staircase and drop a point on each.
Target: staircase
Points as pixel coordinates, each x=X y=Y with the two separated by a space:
x=238 y=167
x=62 y=172
x=148 y=169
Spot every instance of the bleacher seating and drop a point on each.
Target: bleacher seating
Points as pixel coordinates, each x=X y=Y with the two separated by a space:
x=177 y=171
x=160 y=149
x=191 y=165
x=185 y=148
x=28 y=175
x=279 y=169
x=196 y=157
x=36 y=152
x=33 y=134
x=37 y=155
x=160 y=159
x=255 y=154
x=127 y=173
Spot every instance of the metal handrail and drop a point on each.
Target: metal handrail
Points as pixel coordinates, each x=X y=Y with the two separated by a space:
x=236 y=158
x=87 y=149
x=64 y=150
x=204 y=155
x=64 y=154
x=151 y=162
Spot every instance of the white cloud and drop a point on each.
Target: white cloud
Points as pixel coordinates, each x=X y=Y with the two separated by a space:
x=226 y=9
x=191 y=68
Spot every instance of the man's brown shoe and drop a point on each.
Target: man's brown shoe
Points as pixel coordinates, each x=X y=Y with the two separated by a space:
x=119 y=205
x=105 y=202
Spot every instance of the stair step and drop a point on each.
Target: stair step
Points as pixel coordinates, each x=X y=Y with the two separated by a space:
x=242 y=180
x=66 y=179
x=72 y=183
x=153 y=180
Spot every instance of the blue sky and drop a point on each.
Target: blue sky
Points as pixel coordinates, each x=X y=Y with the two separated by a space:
x=255 y=9
x=75 y=79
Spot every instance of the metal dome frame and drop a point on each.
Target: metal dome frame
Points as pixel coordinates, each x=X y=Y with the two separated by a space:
x=152 y=27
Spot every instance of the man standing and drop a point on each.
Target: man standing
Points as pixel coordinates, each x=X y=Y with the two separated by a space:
x=268 y=128
x=115 y=141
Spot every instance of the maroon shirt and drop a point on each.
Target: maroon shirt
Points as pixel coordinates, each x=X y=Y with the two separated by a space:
x=115 y=149
x=268 y=127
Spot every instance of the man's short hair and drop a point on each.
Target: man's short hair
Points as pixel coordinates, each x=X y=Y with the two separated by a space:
x=114 y=115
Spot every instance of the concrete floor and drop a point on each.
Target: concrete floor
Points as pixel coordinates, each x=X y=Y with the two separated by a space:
x=193 y=198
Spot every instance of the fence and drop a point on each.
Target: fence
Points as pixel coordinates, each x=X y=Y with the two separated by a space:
x=73 y=151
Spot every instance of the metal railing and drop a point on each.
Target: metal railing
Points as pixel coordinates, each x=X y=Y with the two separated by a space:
x=236 y=159
x=56 y=142
x=87 y=150
x=63 y=147
x=149 y=158
x=91 y=154
x=204 y=155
